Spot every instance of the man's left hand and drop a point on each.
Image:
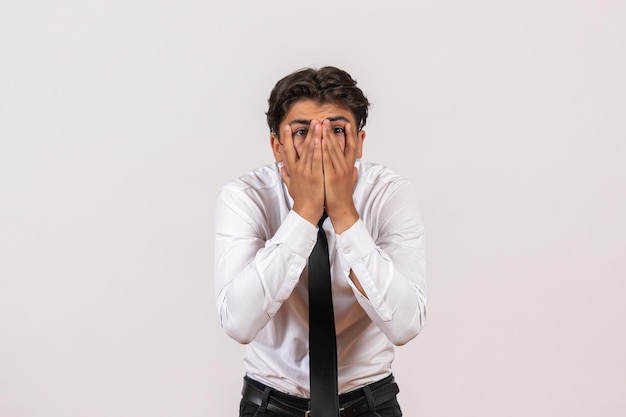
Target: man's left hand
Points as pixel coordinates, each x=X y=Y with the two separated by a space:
x=339 y=175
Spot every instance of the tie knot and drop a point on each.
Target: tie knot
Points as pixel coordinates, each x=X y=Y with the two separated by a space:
x=324 y=216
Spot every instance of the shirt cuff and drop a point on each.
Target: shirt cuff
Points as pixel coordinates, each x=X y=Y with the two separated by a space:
x=297 y=233
x=356 y=242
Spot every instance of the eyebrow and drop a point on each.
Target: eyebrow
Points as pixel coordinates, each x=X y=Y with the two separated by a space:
x=308 y=122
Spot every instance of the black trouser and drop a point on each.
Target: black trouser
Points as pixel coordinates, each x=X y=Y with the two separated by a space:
x=389 y=408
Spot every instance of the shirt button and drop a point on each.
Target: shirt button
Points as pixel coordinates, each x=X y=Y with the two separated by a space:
x=311 y=243
x=347 y=251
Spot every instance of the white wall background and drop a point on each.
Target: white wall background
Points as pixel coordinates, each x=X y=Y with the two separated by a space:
x=120 y=120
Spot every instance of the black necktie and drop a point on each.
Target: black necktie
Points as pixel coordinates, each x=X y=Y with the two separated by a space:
x=322 y=340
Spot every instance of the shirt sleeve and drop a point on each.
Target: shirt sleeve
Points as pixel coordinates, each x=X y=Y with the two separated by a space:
x=254 y=273
x=388 y=258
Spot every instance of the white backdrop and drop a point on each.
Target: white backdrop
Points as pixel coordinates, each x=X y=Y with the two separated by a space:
x=120 y=120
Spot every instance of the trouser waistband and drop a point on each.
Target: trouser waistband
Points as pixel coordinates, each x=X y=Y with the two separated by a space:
x=352 y=403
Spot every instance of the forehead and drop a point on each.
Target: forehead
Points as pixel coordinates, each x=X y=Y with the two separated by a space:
x=314 y=110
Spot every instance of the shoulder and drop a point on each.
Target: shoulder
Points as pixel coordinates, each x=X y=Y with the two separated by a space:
x=251 y=196
x=253 y=191
x=374 y=174
x=262 y=179
x=386 y=200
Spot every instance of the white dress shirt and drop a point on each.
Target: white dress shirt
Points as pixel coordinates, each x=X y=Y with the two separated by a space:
x=261 y=253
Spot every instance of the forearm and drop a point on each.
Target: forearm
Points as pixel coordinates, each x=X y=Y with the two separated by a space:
x=254 y=277
x=388 y=278
x=251 y=297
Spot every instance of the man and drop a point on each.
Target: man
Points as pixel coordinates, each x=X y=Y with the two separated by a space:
x=266 y=229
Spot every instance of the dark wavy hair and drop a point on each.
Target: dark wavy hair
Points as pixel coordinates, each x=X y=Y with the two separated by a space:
x=325 y=85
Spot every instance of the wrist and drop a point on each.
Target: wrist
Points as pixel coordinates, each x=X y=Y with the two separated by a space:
x=344 y=220
x=312 y=215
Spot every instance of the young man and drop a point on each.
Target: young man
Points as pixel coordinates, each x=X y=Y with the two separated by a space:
x=266 y=228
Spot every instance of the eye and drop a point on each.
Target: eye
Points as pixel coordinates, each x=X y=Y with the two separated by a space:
x=300 y=132
x=339 y=130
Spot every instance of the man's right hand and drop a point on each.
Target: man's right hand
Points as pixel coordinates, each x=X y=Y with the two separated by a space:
x=303 y=173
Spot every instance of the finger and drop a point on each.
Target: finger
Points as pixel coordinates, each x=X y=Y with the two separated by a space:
x=350 y=149
x=317 y=163
x=332 y=151
x=290 y=151
x=312 y=140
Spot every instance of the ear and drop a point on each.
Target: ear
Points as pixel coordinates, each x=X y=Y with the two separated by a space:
x=276 y=147
x=360 y=138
